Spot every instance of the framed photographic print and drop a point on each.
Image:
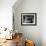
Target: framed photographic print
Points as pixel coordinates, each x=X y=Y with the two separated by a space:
x=28 y=18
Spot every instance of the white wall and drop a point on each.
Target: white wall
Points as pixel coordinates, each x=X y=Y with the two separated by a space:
x=28 y=6
x=36 y=33
x=43 y=22
x=6 y=13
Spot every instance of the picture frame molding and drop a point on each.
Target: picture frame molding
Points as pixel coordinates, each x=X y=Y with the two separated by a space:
x=35 y=14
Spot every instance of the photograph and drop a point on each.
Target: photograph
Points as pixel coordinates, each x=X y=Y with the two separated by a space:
x=28 y=18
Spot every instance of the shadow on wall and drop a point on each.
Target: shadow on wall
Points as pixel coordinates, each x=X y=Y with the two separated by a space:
x=15 y=7
x=17 y=4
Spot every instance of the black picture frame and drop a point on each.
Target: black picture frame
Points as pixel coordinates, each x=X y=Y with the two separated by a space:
x=29 y=19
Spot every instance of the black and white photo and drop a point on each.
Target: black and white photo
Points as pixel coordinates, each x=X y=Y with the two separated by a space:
x=28 y=19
